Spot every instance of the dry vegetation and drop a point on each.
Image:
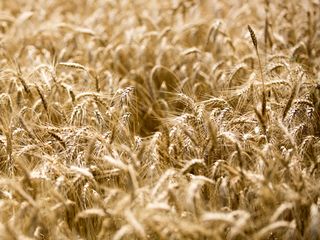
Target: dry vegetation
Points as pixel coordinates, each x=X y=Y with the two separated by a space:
x=159 y=119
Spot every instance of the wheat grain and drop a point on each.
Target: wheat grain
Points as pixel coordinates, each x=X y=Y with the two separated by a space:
x=151 y=120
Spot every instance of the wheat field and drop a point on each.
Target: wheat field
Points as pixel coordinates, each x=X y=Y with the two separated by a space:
x=172 y=119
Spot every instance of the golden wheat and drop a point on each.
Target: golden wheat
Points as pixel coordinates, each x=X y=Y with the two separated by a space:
x=159 y=119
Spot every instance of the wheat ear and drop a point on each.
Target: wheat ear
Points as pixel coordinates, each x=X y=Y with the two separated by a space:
x=255 y=44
